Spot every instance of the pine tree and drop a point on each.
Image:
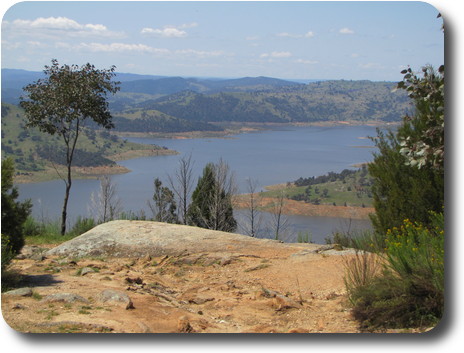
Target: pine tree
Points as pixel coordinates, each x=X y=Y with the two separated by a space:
x=211 y=205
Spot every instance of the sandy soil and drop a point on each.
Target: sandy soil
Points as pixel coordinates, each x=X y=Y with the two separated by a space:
x=274 y=288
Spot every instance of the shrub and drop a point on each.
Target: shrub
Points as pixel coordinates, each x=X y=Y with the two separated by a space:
x=410 y=290
x=81 y=226
x=14 y=214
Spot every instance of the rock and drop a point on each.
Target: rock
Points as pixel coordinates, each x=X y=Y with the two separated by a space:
x=200 y=300
x=38 y=257
x=64 y=297
x=20 y=292
x=86 y=270
x=281 y=302
x=183 y=325
x=111 y=295
x=139 y=239
x=18 y=307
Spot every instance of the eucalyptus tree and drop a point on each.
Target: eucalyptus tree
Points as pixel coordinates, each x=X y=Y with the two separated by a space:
x=62 y=103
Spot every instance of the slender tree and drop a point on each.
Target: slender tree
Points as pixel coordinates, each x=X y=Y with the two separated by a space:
x=253 y=215
x=105 y=205
x=182 y=185
x=63 y=101
x=164 y=206
x=280 y=222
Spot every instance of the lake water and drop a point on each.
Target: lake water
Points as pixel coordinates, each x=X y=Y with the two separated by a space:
x=268 y=157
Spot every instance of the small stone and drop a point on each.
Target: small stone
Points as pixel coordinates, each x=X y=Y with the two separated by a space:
x=86 y=270
x=111 y=295
x=281 y=302
x=18 y=306
x=183 y=325
x=64 y=297
x=38 y=257
x=20 y=292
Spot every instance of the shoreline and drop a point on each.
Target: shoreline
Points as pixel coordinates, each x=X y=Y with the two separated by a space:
x=83 y=173
x=301 y=208
x=235 y=128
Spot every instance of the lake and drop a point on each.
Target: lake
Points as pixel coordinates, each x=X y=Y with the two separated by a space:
x=268 y=157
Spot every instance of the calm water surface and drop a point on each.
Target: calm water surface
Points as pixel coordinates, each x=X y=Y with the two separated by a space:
x=268 y=157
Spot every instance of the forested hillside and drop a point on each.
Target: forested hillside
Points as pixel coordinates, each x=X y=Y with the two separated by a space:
x=33 y=151
x=320 y=101
x=150 y=104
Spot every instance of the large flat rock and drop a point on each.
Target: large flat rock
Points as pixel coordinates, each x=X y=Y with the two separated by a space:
x=141 y=238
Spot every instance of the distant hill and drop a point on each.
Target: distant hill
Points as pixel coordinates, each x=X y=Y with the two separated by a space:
x=148 y=103
x=34 y=151
x=320 y=101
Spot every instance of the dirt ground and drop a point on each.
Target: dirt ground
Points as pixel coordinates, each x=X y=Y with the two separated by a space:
x=301 y=208
x=273 y=289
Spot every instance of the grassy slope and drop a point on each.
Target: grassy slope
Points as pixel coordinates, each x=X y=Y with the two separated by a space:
x=21 y=144
x=338 y=192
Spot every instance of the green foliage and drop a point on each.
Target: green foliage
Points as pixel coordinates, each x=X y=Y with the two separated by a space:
x=410 y=290
x=211 y=205
x=425 y=143
x=81 y=226
x=401 y=191
x=164 y=208
x=14 y=213
x=62 y=102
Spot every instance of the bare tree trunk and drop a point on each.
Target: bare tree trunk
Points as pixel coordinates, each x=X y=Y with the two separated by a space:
x=254 y=219
x=65 y=203
x=70 y=139
x=106 y=205
x=280 y=221
x=182 y=185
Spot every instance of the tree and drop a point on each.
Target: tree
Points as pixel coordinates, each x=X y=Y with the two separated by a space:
x=164 y=207
x=408 y=169
x=254 y=217
x=14 y=214
x=106 y=205
x=63 y=101
x=182 y=184
x=423 y=144
x=280 y=222
x=211 y=205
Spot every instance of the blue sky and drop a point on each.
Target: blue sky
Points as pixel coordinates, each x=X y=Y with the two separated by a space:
x=292 y=40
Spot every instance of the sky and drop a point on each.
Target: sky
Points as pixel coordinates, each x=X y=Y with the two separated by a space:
x=289 y=40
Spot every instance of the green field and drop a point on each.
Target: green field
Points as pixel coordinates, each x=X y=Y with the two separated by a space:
x=353 y=190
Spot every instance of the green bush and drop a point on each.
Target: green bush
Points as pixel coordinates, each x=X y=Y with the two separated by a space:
x=409 y=292
x=14 y=214
x=81 y=226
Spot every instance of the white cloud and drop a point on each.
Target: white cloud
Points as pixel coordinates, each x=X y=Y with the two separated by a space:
x=309 y=34
x=56 y=27
x=307 y=62
x=169 y=31
x=140 y=49
x=121 y=48
x=276 y=54
x=346 y=30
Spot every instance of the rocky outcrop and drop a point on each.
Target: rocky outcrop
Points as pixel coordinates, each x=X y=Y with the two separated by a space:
x=144 y=238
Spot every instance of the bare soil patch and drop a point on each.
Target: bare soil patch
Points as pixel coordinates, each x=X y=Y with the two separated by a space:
x=228 y=283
